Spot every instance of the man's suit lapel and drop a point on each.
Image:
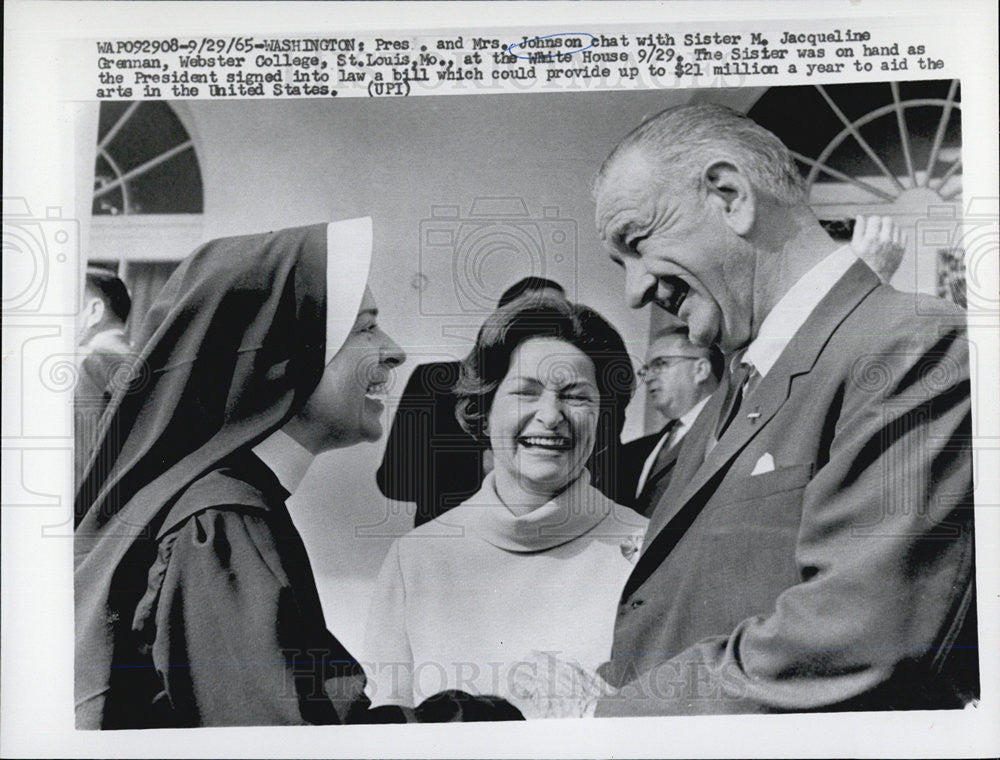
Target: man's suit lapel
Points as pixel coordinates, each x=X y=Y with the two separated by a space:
x=700 y=466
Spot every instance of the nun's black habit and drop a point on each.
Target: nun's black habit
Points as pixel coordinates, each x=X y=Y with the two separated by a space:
x=195 y=600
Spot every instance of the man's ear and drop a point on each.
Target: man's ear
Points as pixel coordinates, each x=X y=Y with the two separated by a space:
x=730 y=191
x=93 y=312
x=702 y=371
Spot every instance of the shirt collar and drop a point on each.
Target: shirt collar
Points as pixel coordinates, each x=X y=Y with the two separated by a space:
x=687 y=419
x=114 y=336
x=285 y=457
x=792 y=310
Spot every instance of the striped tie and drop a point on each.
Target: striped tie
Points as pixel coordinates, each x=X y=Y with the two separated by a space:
x=740 y=385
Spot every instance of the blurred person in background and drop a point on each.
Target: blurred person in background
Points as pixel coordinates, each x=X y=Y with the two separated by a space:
x=103 y=359
x=679 y=377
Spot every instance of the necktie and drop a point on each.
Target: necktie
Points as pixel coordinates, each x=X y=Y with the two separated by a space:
x=662 y=458
x=740 y=385
x=663 y=455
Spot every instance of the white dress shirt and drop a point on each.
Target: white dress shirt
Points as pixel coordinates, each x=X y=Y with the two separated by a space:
x=794 y=308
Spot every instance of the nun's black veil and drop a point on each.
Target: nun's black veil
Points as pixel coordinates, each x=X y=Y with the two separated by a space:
x=231 y=349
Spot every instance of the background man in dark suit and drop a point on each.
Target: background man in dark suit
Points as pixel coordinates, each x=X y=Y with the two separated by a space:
x=679 y=377
x=428 y=458
x=814 y=550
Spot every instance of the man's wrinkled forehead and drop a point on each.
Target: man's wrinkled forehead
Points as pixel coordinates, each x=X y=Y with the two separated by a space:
x=624 y=191
x=635 y=197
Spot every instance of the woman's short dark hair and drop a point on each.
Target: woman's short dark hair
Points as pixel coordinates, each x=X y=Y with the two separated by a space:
x=547 y=317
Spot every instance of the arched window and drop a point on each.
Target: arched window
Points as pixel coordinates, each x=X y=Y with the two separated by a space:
x=146 y=162
x=887 y=148
x=148 y=197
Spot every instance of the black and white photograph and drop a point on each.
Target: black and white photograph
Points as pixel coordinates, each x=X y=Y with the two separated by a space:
x=584 y=412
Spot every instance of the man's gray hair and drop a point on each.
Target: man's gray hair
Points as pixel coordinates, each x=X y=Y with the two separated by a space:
x=680 y=331
x=683 y=139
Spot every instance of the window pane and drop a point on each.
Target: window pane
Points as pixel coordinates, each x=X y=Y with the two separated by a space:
x=173 y=186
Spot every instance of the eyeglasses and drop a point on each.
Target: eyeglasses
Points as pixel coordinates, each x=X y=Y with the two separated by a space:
x=660 y=363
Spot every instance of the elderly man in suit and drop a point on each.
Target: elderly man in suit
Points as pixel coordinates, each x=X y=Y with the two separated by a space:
x=679 y=377
x=815 y=548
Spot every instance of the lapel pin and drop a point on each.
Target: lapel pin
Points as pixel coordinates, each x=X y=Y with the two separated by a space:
x=753 y=416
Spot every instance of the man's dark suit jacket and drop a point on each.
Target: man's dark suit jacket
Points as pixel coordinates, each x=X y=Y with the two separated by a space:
x=633 y=457
x=843 y=577
x=428 y=458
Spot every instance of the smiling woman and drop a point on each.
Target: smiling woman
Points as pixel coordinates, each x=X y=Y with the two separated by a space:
x=196 y=603
x=344 y=408
x=535 y=561
x=542 y=422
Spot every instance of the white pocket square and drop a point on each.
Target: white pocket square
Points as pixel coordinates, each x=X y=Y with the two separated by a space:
x=764 y=464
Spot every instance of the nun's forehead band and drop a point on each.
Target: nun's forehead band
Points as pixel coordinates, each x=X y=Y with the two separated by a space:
x=348 y=258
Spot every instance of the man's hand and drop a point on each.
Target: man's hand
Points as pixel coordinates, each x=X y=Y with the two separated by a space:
x=545 y=686
x=880 y=243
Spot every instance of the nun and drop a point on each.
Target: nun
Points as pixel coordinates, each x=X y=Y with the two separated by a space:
x=195 y=601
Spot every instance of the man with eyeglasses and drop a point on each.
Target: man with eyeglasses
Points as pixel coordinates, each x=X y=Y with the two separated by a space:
x=679 y=378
